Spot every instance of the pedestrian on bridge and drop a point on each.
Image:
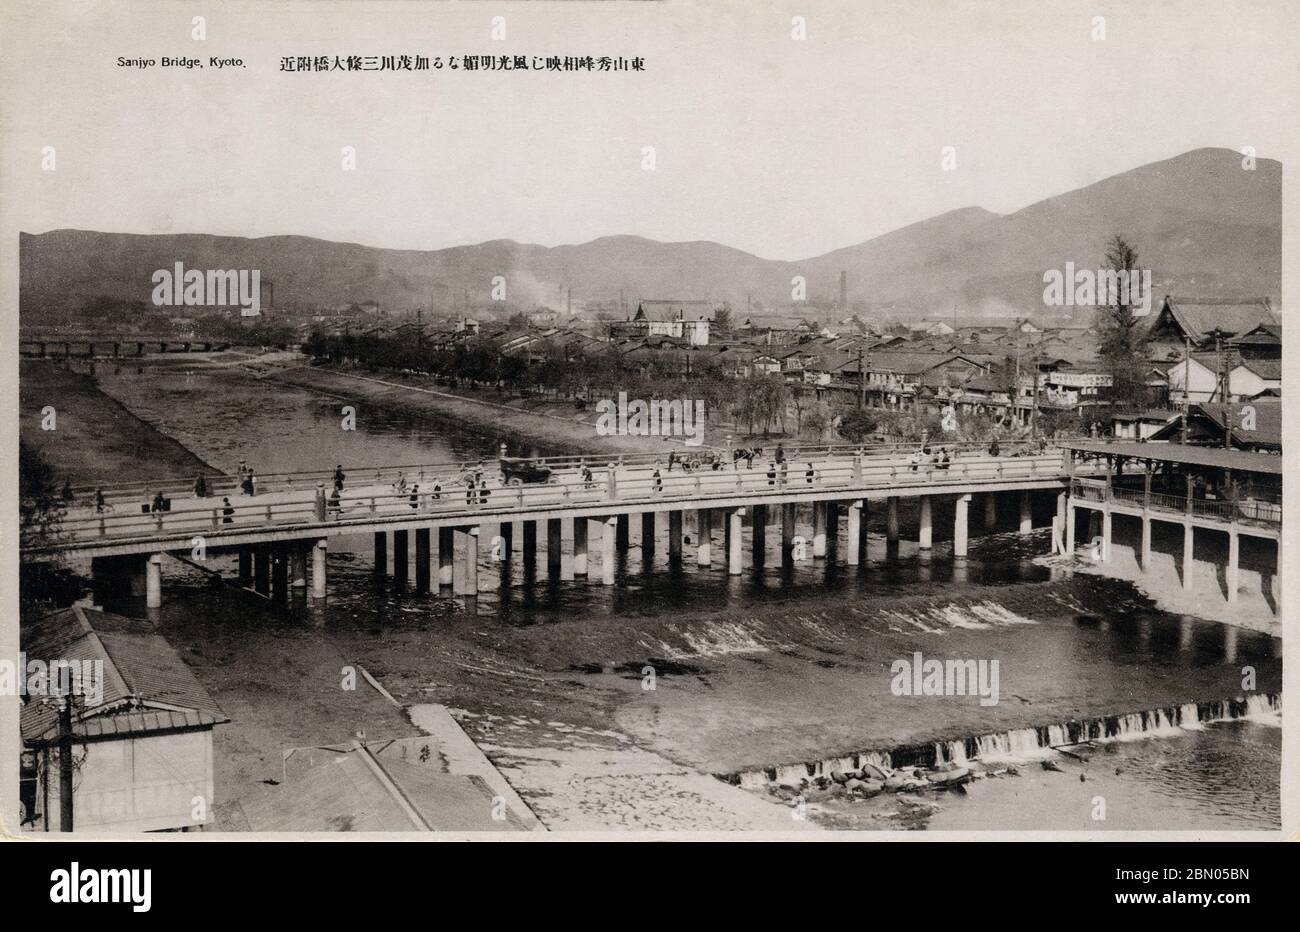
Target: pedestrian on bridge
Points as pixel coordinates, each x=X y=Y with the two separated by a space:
x=994 y=449
x=200 y=487
x=672 y=458
x=159 y=503
x=780 y=453
x=99 y=501
x=659 y=483
x=227 y=512
x=339 y=477
x=415 y=497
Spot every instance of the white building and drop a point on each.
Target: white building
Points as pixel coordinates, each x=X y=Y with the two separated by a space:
x=141 y=730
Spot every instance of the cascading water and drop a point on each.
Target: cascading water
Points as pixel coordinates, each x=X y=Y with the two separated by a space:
x=1033 y=743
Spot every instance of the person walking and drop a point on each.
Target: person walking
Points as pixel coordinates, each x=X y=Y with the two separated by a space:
x=415 y=498
x=159 y=503
x=780 y=453
x=339 y=477
x=659 y=483
x=99 y=501
x=201 y=487
x=227 y=511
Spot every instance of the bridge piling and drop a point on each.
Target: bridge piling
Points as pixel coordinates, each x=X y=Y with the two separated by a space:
x=623 y=534
x=787 y=531
x=960 y=526
x=554 y=547
x=674 y=537
x=381 y=553
x=530 y=548
x=318 y=568
x=153 y=581
x=704 y=537
x=608 y=544
x=422 y=559
x=262 y=569
x=758 y=530
x=568 y=529
x=853 y=534
x=446 y=556
x=925 y=538
x=401 y=557
x=733 y=541
x=990 y=510
x=298 y=565
x=245 y=565
x=1188 y=550
x=466 y=581
x=891 y=519
x=580 y=526
x=648 y=539
x=1026 y=512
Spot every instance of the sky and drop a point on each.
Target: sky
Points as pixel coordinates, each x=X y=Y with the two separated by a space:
x=783 y=147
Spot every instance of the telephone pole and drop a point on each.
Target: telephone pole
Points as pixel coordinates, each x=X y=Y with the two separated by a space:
x=65 y=764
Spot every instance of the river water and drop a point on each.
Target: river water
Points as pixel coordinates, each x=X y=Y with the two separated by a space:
x=778 y=667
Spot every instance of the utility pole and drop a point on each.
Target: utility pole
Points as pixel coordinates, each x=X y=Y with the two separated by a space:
x=65 y=764
x=862 y=378
x=1187 y=382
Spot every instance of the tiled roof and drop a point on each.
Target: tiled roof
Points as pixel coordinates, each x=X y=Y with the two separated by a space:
x=1199 y=317
x=1264 y=368
x=147 y=687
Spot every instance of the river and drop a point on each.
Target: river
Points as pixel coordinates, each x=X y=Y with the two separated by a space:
x=780 y=667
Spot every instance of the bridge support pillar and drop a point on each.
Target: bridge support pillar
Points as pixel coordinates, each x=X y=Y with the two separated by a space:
x=569 y=529
x=1105 y=535
x=1060 y=508
x=279 y=573
x=1234 y=555
x=422 y=559
x=530 y=548
x=608 y=545
x=1188 y=550
x=1146 y=542
x=891 y=519
x=990 y=510
x=674 y=538
x=960 y=526
x=926 y=536
x=554 y=546
x=401 y=556
x=1026 y=512
x=733 y=541
x=298 y=565
x=507 y=534
x=381 y=553
x=819 y=528
x=318 y=568
x=1069 y=528
x=704 y=537
x=854 y=534
x=647 y=539
x=466 y=581
x=262 y=569
x=446 y=556
x=245 y=566
x=623 y=534
x=153 y=581
x=831 y=537
x=787 y=531
x=758 y=530
x=580 y=526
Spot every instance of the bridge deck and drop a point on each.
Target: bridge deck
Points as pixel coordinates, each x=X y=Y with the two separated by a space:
x=296 y=513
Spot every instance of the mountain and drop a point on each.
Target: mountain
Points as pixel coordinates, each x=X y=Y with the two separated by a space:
x=1202 y=223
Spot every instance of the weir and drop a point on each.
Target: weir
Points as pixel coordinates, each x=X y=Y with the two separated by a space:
x=1023 y=743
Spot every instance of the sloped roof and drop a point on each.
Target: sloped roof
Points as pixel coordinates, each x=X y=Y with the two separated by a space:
x=1236 y=460
x=1264 y=368
x=1268 y=421
x=147 y=687
x=1199 y=317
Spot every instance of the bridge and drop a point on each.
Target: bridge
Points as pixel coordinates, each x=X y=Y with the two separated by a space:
x=292 y=517
x=93 y=346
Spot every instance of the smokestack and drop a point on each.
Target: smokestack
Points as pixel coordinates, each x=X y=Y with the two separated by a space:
x=844 y=290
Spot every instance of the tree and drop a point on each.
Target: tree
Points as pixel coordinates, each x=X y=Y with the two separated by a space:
x=1122 y=339
x=721 y=325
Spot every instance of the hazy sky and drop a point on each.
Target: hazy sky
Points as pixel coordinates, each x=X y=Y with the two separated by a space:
x=780 y=147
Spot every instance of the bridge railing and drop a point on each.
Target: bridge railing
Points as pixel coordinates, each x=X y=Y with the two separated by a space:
x=624 y=487
x=143 y=491
x=1247 y=510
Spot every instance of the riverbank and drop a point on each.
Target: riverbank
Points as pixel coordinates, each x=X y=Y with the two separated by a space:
x=97 y=439
x=556 y=426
